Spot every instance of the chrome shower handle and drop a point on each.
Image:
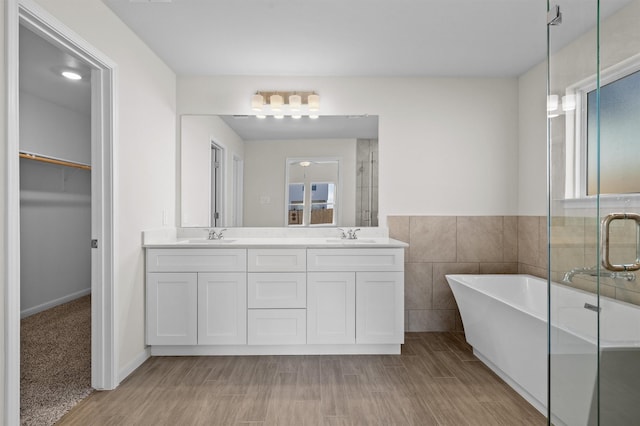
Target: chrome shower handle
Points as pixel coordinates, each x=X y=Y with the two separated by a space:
x=605 y=231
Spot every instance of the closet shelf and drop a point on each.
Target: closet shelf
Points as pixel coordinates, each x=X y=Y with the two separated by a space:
x=44 y=159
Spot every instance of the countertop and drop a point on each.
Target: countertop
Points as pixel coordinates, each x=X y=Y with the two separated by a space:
x=277 y=242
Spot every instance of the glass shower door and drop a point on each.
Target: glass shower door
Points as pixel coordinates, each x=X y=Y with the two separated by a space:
x=593 y=109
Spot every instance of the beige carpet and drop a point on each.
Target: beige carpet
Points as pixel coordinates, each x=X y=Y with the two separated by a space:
x=55 y=361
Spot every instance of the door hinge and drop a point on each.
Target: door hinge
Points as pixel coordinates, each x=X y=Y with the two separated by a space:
x=216 y=215
x=94 y=243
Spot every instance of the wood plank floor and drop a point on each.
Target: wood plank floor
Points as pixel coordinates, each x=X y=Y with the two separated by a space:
x=436 y=381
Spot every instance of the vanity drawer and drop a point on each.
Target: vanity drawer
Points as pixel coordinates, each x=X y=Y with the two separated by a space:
x=277 y=290
x=196 y=260
x=356 y=260
x=277 y=327
x=277 y=260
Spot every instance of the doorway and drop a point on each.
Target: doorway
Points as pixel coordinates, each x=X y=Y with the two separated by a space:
x=55 y=229
x=217 y=155
x=103 y=349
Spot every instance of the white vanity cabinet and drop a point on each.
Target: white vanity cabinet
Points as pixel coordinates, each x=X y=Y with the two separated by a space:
x=357 y=286
x=196 y=296
x=263 y=300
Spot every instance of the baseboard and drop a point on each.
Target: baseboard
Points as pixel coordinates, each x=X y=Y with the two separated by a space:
x=48 y=305
x=134 y=364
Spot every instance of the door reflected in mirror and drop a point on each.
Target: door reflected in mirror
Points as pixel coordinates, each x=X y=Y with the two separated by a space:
x=312 y=191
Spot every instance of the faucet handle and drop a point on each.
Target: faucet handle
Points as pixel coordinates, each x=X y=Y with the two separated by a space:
x=343 y=233
x=220 y=236
x=352 y=234
x=212 y=234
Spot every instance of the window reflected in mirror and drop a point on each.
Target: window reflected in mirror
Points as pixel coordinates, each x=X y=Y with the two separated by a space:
x=296 y=203
x=322 y=203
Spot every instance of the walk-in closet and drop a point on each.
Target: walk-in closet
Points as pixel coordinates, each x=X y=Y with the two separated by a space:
x=55 y=230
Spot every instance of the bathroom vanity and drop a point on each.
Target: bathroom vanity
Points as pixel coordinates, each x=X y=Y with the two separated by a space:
x=274 y=295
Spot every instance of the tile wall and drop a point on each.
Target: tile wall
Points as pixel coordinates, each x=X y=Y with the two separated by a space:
x=440 y=245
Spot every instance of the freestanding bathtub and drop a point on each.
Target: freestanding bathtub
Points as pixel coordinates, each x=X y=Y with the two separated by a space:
x=505 y=320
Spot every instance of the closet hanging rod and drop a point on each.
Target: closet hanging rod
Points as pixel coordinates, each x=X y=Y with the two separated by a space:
x=54 y=161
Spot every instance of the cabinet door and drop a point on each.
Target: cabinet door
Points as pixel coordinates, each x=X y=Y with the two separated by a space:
x=222 y=308
x=331 y=307
x=380 y=307
x=172 y=306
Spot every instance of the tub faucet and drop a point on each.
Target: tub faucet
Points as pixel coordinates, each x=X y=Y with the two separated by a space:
x=213 y=235
x=594 y=272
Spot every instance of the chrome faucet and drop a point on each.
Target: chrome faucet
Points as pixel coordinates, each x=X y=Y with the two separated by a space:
x=213 y=235
x=350 y=234
x=594 y=272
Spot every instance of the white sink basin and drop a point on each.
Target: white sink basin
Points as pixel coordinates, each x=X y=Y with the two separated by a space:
x=206 y=241
x=344 y=241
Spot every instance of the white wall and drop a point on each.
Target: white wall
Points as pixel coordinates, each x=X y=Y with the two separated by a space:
x=55 y=206
x=54 y=130
x=264 y=176
x=196 y=134
x=3 y=207
x=448 y=146
x=145 y=154
x=532 y=137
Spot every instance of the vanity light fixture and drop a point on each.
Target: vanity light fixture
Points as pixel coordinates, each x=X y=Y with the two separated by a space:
x=285 y=103
x=314 y=102
x=257 y=102
x=276 y=101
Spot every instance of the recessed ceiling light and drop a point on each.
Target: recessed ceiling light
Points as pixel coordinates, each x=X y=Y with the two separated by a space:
x=71 y=75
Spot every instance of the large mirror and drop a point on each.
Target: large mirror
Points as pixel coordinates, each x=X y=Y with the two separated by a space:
x=247 y=171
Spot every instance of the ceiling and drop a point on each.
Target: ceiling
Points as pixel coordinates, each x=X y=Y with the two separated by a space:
x=40 y=65
x=492 y=38
x=320 y=38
